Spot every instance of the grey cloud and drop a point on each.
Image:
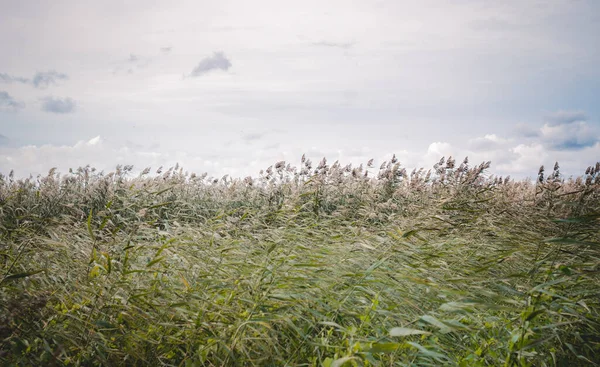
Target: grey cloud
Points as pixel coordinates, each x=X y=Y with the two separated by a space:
x=4 y=140
x=6 y=78
x=46 y=78
x=8 y=103
x=132 y=64
x=568 y=130
x=344 y=45
x=40 y=80
x=132 y=145
x=274 y=146
x=563 y=131
x=252 y=137
x=569 y=136
x=58 y=105
x=526 y=131
x=218 y=61
x=566 y=117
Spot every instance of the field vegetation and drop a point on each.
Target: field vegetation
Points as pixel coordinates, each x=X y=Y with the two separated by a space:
x=316 y=265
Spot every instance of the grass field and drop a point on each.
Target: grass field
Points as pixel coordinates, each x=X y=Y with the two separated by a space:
x=320 y=265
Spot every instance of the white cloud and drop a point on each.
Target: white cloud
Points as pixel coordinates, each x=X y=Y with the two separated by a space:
x=439 y=149
x=95 y=141
x=509 y=157
x=527 y=158
x=105 y=155
x=95 y=152
x=488 y=142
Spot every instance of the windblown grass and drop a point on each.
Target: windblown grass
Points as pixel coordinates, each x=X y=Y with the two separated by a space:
x=315 y=266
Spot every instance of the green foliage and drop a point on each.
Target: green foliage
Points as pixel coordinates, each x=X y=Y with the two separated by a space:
x=331 y=266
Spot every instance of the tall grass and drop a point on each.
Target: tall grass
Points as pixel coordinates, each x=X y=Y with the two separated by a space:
x=320 y=265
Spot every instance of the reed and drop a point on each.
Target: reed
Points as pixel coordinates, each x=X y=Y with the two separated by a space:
x=326 y=265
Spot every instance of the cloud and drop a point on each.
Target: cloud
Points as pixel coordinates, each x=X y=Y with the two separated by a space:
x=44 y=79
x=487 y=143
x=574 y=143
x=165 y=50
x=566 y=117
x=58 y=105
x=218 y=61
x=8 y=103
x=516 y=158
x=252 y=137
x=6 y=78
x=4 y=140
x=132 y=64
x=563 y=130
x=344 y=45
x=439 y=149
x=104 y=154
x=41 y=79
x=33 y=159
x=569 y=136
x=526 y=131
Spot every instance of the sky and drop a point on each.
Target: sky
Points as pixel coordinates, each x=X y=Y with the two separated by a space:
x=231 y=87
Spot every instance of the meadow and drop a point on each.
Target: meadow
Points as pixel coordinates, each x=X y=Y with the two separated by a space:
x=316 y=265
